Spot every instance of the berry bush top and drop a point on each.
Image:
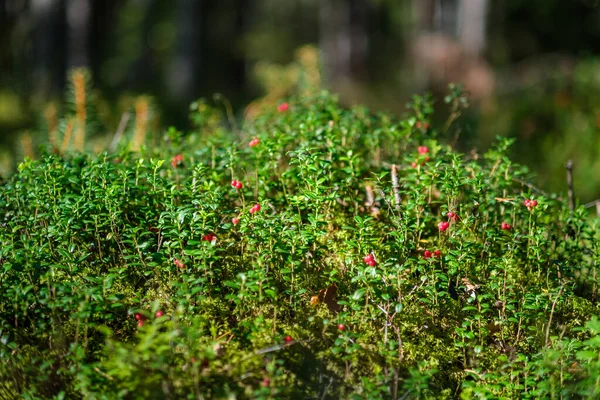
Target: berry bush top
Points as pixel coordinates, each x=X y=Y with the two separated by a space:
x=124 y=277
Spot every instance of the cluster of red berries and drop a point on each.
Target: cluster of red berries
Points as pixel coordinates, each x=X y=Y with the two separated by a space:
x=443 y=225
x=423 y=150
x=422 y=125
x=255 y=208
x=178 y=263
x=369 y=259
x=177 y=160
x=283 y=107
x=530 y=204
x=429 y=254
x=506 y=226
x=209 y=237
x=237 y=184
x=254 y=142
x=452 y=216
x=141 y=318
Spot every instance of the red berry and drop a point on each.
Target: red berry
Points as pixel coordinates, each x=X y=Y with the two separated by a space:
x=177 y=160
x=413 y=164
x=255 y=208
x=442 y=226
x=452 y=215
x=288 y=339
x=423 y=150
x=254 y=142
x=427 y=254
x=140 y=323
x=505 y=226
x=239 y=185
x=159 y=314
x=233 y=183
x=179 y=263
x=235 y=220
x=437 y=253
x=283 y=107
x=533 y=203
x=341 y=327
x=139 y=316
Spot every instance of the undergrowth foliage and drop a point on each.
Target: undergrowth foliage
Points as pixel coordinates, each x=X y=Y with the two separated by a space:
x=318 y=252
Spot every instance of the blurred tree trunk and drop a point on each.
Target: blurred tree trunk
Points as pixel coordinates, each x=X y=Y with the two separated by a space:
x=181 y=80
x=461 y=19
x=78 y=20
x=472 y=20
x=359 y=20
x=445 y=16
x=438 y=16
x=4 y=48
x=335 y=39
x=47 y=68
x=103 y=17
x=447 y=46
x=243 y=9
x=343 y=38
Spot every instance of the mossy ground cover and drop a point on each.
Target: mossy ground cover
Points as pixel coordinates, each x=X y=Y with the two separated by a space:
x=315 y=252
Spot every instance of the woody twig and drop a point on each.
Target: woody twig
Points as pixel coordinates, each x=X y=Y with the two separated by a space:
x=396 y=189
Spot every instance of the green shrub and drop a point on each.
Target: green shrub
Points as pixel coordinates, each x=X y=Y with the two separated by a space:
x=339 y=284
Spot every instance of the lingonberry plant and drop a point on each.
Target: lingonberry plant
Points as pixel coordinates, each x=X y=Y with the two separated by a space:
x=125 y=277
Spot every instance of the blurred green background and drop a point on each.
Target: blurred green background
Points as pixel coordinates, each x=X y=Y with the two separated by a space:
x=530 y=66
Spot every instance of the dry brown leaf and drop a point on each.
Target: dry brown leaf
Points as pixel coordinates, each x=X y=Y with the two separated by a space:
x=327 y=296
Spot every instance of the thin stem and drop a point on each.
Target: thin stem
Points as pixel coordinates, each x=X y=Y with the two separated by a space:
x=552 y=314
x=396 y=189
x=569 y=168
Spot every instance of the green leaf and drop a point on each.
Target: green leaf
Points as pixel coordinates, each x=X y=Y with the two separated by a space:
x=359 y=294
